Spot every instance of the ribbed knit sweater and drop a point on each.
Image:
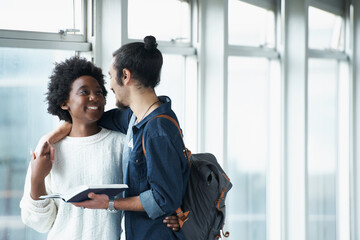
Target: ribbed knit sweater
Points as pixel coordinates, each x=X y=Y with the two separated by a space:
x=96 y=159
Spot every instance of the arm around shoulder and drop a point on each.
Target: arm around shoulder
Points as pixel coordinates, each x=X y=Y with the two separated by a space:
x=53 y=137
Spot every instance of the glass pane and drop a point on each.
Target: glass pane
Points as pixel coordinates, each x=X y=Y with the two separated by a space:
x=248 y=153
x=23 y=120
x=322 y=148
x=326 y=30
x=165 y=19
x=172 y=83
x=178 y=81
x=40 y=15
x=261 y=31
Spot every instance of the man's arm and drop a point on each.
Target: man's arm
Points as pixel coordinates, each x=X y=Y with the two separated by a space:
x=53 y=137
x=116 y=119
x=101 y=201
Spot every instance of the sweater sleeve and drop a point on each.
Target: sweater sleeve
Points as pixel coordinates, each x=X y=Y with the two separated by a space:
x=37 y=214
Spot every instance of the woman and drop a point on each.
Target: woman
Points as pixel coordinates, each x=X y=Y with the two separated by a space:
x=88 y=155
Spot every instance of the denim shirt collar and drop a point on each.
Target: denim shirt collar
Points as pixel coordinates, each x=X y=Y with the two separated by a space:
x=162 y=109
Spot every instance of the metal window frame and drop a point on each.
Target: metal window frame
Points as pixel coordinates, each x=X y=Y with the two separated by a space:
x=328 y=54
x=343 y=226
x=267 y=4
x=337 y=10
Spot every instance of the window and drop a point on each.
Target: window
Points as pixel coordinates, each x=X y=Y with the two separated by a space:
x=253 y=122
x=261 y=31
x=328 y=100
x=167 y=20
x=248 y=127
x=326 y=30
x=30 y=15
x=322 y=148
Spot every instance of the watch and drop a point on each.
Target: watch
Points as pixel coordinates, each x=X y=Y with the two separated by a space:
x=111 y=207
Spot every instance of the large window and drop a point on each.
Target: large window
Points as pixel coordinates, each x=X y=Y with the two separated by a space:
x=328 y=99
x=253 y=128
x=268 y=88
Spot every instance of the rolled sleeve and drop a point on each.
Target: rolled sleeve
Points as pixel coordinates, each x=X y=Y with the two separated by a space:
x=165 y=174
x=150 y=205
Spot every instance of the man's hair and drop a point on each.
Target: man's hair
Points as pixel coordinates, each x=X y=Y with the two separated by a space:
x=61 y=80
x=142 y=59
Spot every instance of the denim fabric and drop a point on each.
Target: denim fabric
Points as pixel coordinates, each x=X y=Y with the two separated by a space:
x=160 y=179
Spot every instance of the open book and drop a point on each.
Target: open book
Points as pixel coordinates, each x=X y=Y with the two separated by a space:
x=80 y=193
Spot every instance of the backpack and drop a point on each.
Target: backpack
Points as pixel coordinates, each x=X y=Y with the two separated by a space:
x=202 y=213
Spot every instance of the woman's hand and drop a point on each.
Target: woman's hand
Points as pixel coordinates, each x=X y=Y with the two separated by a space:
x=172 y=222
x=40 y=167
x=42 y=164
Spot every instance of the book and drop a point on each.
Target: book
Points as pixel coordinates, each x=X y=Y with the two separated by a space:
x=80 y=193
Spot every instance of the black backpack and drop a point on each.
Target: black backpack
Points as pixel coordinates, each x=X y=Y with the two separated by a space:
x=202 y=213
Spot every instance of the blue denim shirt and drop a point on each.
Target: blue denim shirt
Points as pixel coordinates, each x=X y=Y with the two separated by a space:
x=160 y=179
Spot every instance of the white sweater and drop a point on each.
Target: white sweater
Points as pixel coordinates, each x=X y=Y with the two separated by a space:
x=93 y=160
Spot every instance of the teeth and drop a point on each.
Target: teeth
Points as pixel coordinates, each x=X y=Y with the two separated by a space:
x=93 y=108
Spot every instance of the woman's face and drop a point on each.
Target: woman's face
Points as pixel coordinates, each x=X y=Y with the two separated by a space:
x=86 y=101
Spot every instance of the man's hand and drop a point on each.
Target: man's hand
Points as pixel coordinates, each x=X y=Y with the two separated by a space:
x=172 y=222
x=53 y=137
x=97 y=201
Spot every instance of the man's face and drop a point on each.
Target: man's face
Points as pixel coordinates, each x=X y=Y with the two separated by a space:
x=119 y=91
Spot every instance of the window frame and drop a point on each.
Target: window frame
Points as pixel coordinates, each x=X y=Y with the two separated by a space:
x=273 y=169
x=343 y=171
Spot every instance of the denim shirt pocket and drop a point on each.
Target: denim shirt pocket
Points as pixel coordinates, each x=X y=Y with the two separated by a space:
x=137 y=167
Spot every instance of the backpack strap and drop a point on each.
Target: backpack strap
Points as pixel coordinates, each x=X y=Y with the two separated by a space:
x=182 y=217
x=186 y=151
